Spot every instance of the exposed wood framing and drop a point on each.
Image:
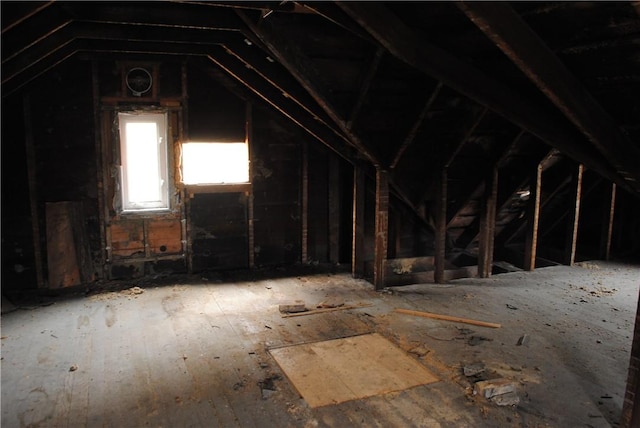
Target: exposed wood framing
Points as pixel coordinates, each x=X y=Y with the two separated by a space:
x=357 y=244
x=304 y=206
x=525 y=48
x=416 y=126
x=381 y=227
x=250 y=216
x=607 y=223
x=37 y=8
x=281 y=103
x=453 y=152
x=488 y=225
x=107 y=188
x=364 y=87
x=440 y=227
x=631 y=406
x=408 y=45
x=574 y=216
x=255 y=59
x=533 y=218
x=33 y=190
x=334 y=209
x=95 y=81
x=302 y=69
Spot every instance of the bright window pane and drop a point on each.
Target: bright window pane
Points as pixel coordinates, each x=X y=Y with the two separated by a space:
x=143 y=154
x=143 y=163
x=215 y=163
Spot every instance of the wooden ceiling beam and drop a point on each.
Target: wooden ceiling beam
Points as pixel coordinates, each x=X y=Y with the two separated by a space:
x=256 y=59
x=301 y=68
x=412 y=48
x=527 y=51
x=163 y=14
x=372 y=68
x=276 y=99
x=416 y=126
x=12 y=17
x=37 y=69
x=20 y=39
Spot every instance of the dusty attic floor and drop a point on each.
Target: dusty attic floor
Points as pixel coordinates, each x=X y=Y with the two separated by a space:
x=195 y=353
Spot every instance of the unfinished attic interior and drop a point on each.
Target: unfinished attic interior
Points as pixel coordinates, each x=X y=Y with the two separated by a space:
x=242 y=213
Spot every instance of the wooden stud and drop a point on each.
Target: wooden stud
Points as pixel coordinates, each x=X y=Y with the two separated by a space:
x=487 y=225
x=607 y=224
x=99 y=166
x=334 y=209
x=33 y=189
x=250 y=212
x=440 y=227
x=357 y=244
x=381 y=227
x=304 y=206
x=533 y=217
x=631 y=406
x=574 y=217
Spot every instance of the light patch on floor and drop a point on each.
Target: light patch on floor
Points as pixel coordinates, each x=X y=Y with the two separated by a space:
x=351 y=368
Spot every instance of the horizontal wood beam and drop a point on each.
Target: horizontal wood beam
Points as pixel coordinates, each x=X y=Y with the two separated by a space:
x=411 y=47
x=528 y=52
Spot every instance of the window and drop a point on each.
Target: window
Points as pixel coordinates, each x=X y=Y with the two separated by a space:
x=143 y=155
x=215 y=163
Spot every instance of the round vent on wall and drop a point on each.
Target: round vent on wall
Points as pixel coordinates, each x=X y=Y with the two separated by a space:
x=139 y=81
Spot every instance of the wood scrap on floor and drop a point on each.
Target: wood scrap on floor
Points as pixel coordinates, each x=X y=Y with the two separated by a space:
x=447 y=318
x=320 y=311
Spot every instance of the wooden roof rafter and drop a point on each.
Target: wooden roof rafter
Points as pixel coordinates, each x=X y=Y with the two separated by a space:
x=500 y=23
x=301 y=68
x=409 y=46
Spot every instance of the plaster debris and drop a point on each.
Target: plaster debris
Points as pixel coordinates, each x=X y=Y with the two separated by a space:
x=473 y=369
x=292 y=307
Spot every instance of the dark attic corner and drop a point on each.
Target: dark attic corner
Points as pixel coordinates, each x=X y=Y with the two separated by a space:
x=320 y=214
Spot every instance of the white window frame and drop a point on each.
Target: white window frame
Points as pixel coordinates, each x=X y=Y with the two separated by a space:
x=158 y=204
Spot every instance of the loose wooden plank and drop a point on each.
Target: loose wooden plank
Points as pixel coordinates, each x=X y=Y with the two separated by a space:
x=320 y=311
x=447 y=318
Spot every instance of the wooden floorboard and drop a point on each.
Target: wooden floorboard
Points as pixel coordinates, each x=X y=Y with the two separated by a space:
x=196 y=354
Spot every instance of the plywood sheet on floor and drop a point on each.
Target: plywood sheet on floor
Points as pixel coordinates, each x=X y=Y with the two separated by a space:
x=339 y=370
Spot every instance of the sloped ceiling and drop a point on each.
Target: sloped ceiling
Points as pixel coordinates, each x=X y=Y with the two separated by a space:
x=406 y=87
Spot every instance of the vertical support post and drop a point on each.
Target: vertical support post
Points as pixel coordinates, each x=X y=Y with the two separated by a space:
x=440 y=227
x=488 y=225
x=381 y=227
x=334 y=209
x=97 y=124
x=357 y=243
x=304 y=209
x=574 y=217
x=106 y=152
x=33 y=189
x=631 y=405
x=607 y=223
x=250 y=217
x=533 y=217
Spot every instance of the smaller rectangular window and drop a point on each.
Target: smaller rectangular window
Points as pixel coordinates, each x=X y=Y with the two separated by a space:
x=143 y=155
x=215 y=163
